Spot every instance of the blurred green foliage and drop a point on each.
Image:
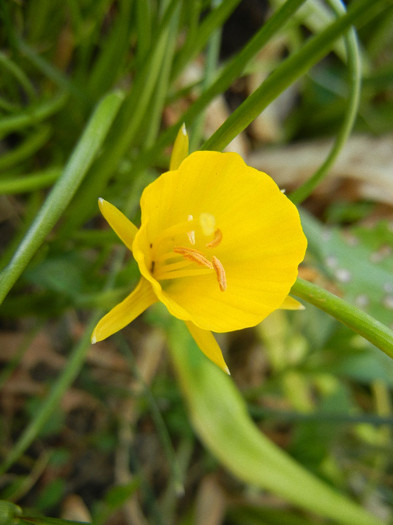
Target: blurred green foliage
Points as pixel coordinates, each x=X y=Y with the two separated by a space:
x=111 y=425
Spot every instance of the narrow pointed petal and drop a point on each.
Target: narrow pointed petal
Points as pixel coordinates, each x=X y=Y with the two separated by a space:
x=125 y=312
x=119 y=223
x=180 y=148
x=209 y=346
x=291 y=304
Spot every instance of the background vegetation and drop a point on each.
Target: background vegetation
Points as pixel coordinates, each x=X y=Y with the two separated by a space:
x=142 y=428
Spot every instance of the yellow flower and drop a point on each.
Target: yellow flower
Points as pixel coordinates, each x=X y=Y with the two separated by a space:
x=219 y=245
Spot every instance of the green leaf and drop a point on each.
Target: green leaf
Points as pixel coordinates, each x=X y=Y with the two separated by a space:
x=9 y=513
x=359 y=261
x=64 y=189
x=220 y=417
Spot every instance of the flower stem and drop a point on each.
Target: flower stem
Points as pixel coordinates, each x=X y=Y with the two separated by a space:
x=355 y=73
x=288 y=72
x=364 y=324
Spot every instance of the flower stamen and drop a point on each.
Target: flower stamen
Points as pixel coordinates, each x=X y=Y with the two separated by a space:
x=216 y=239
x=220 y=272
x=194 y=255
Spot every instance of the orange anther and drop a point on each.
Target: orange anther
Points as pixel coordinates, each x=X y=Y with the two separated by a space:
x=216 y=239
x=220 y=272
x=194 y=255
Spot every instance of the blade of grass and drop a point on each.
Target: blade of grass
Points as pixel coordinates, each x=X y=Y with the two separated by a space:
x=74 y=364
x=125 y=128
x=13 y=68
x=64 y=189
x=26 y=149
x=32 y=115
x=231 y=71
x=354 y=72
x=211 y=63
x=112 y=55
x=33 y=520
x=153 y=119
x=198 y=40
x=289 y=71
x=35 y=181
x=50 y=71
x=143 y=12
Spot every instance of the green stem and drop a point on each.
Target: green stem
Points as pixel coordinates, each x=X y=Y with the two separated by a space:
x=198 y=40
x=34 y=142
x=231 y=72
x=153 y=118
x=63 y=191
x=27 y=183
x=125 y=129
x=354 y=69
x=377 y=333
x=74 y=364
x=288 y=72
x=32 y=115
x=18 y=73
x=211 y=62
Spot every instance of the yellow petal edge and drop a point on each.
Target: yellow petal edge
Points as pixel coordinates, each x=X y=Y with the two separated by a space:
x=119 y=223
x=180 y=148
x=125 y=312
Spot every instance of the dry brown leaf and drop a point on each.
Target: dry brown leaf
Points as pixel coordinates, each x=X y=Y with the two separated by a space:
x=210 y=502
x=73 y=508
x=40 y=350
x=365 y=160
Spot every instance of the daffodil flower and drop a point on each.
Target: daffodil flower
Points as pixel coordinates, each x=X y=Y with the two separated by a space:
x=219 y=244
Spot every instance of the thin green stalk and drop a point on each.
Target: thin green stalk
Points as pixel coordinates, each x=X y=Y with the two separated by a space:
x=143 y=17
x=64 y=189
x=289 y=71
x=69 y=373
x=32 y=115
x=159 y=422
x=49 y=71
x=74 y=364
x=108 y=65
x=161 y=90
x=212 y=56
x=194 y=45
x=231 y=71
x=355 y=74
x=8 y=106
x=364 y=324
x=33 y=520
x=19 y=74
x=335 y=418
x=125 y=128
x=27 y=183
x=26 y=149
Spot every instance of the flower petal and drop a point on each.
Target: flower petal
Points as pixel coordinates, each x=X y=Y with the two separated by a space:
x=119 y=223
x=125 y=312
x=180 y=148
x=209 y=346
x=291 y=304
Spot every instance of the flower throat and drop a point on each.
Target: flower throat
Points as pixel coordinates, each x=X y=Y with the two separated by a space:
x=183 y=250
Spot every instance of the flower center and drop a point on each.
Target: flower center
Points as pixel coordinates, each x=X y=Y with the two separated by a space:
x=184 y=250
